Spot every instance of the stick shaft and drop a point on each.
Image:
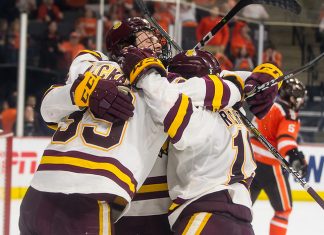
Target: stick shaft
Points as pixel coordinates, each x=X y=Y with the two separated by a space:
x=281 y=159
x=284 y=77
x=290 y=5
x=223 y=22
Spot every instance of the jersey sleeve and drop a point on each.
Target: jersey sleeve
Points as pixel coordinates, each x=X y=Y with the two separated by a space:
x=57 y=101
x=287 y=135
x=211 y=92
x=57 y=104
x=172 y=109
x=83 y=62
x=242 y=74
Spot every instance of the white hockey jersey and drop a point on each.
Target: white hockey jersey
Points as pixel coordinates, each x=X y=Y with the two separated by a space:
x=92 y=156
x=153 y=197
x=217 y=157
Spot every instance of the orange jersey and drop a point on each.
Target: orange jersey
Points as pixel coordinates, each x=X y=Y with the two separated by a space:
x=8 y=119
x=280 y=127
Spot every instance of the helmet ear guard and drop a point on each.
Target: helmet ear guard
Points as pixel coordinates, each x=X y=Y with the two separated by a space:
x=194 y=63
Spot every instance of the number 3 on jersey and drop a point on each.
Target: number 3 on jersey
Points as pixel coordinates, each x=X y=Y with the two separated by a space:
x=94 y=133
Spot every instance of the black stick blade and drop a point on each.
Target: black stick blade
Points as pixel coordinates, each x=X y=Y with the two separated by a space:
x=290 y=5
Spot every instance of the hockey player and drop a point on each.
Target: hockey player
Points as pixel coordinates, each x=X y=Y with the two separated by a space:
x=148 y=211
x=149 y=206
x=209 y=177
x=280 y=126
x=94 y=164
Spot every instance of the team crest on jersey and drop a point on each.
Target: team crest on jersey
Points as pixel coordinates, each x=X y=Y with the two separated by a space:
x=191 y=53
x=117 y=24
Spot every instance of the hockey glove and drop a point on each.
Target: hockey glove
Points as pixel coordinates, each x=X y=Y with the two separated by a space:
x=297 y=161
x=106 y=99
x=136 y=62
x=261 y=103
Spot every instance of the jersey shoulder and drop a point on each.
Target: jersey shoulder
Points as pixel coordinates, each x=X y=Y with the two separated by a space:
x=286 y=112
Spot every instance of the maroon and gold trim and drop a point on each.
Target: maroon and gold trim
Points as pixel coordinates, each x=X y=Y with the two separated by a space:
x=78 y=162
x=52 y=125
x=220 y=202
x=93 y=53
x=153 y=188
x=178 y=118
x=176 y=203
x=269 y=69
x=144 y=64
x=236 y=80
x=75 y=84
x=217 y=93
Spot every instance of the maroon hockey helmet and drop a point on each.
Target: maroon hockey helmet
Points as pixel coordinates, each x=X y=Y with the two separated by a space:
x=194 y=62
x=123 y=34
x=294 y=92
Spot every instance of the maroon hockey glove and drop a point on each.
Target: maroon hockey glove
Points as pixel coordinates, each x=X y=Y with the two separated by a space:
x=261 y=103
x=297 y=161
x=111 y=102
x=173 y=76
x=136 y=62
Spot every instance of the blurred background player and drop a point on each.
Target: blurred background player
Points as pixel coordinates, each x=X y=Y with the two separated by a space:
x=280 y=126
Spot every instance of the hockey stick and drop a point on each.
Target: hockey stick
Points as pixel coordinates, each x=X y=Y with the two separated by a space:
x=294 y=73
x=290 y=5
x=152 y=21
x=282 y=161
x=247 y=122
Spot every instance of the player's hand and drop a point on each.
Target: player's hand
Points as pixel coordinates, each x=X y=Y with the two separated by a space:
x=261 y=103
x=106 y=99
x=111 y=101
x=297 y=161
x=136 y=62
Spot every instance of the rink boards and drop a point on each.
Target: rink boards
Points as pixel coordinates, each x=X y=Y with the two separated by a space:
x=28 y=151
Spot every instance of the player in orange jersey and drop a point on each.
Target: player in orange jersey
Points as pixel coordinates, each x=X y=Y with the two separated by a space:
x=280 y=126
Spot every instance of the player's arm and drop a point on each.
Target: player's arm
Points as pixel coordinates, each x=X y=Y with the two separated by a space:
x=212 y=91
x=105 y=98
x=175 y=111
x=57 y=102
x=169 y=108
x=287 y=135
x=287 y=145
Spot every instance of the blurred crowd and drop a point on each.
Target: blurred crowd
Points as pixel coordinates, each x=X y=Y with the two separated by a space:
x=59 y=29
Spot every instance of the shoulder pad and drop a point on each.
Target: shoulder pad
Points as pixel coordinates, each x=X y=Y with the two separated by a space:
x=96 y=54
